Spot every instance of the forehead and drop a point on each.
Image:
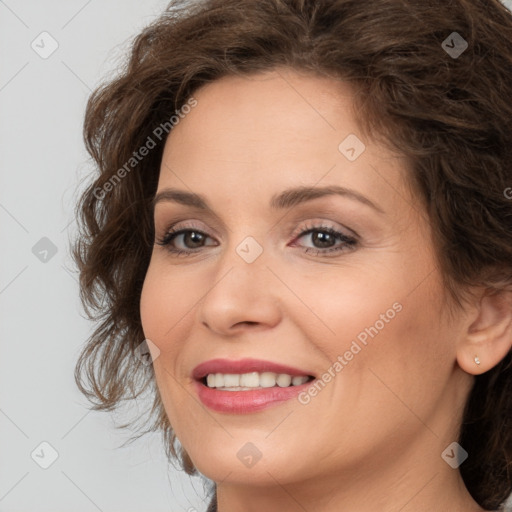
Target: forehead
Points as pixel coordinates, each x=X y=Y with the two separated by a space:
x=236 y=113
x=267 y=131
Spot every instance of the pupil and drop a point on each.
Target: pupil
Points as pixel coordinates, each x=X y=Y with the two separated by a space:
x=195 y=237
x=322 y=238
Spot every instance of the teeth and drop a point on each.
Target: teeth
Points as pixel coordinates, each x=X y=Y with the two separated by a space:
x=253 y=380
x=268 y=379
x=231 y=380
x=297 y=381
x=283 y=380
x=250 y=380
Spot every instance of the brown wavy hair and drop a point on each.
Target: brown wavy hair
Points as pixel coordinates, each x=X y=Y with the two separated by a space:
x=450 y=116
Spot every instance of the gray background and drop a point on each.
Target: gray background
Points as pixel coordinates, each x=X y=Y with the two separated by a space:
x=42 y=328
x=42 y=160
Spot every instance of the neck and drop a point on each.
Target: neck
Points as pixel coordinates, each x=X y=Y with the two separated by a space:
x=410 y=484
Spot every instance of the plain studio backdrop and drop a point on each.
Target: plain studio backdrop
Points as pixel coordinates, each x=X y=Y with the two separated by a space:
x=55 y=453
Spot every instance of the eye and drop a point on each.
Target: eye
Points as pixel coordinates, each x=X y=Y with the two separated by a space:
x=324 y=240
x=191 y=238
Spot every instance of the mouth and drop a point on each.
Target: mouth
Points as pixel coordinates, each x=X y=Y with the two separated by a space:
x=247 y=385
x=249 y=373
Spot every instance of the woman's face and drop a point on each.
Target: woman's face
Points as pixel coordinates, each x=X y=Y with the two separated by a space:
x=341 y=286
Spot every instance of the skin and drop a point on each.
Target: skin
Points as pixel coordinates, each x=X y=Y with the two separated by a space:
x=372 y=438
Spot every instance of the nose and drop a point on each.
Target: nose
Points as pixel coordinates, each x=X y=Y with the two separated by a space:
x=241 y=296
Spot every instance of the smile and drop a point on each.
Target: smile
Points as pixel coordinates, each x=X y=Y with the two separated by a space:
x=247 y=385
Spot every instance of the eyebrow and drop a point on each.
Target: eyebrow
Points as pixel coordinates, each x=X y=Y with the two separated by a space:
x=286 y=199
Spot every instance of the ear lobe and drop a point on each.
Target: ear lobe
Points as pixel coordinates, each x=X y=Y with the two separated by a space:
x=488 y=338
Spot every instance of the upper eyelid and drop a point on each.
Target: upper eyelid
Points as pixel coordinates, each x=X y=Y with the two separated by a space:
x=307 y=210
x=187 y=224
x=316 y=224
x=211 y=218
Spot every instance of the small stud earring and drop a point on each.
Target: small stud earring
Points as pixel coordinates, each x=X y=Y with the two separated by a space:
x=477 y=360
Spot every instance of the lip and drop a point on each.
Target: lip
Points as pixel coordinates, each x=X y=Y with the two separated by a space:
x=244 y=402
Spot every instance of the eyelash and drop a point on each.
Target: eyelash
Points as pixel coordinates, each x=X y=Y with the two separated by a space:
x=348 y=242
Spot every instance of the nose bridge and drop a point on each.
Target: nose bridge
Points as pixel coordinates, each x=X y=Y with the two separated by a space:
x=240 y=290
x=246 y=245
x=243 y=265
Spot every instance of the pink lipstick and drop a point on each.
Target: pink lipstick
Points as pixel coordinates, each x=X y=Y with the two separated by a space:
x=247 y=385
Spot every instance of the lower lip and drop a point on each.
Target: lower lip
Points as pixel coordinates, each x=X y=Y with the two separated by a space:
x=243 y=402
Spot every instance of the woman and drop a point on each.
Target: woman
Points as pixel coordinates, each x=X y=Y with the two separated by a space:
x=303 y=219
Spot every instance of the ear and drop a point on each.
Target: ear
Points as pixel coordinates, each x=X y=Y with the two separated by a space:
x=489 y=334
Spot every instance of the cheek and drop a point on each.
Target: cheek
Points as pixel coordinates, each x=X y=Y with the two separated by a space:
x=152 y=307
x=387 y=323
x=160 y=311
x=395 y=358
x=165 y=299
x=346 y=305
x=406 y=352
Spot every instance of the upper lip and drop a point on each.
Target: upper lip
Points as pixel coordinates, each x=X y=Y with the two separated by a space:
x=243 y=366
